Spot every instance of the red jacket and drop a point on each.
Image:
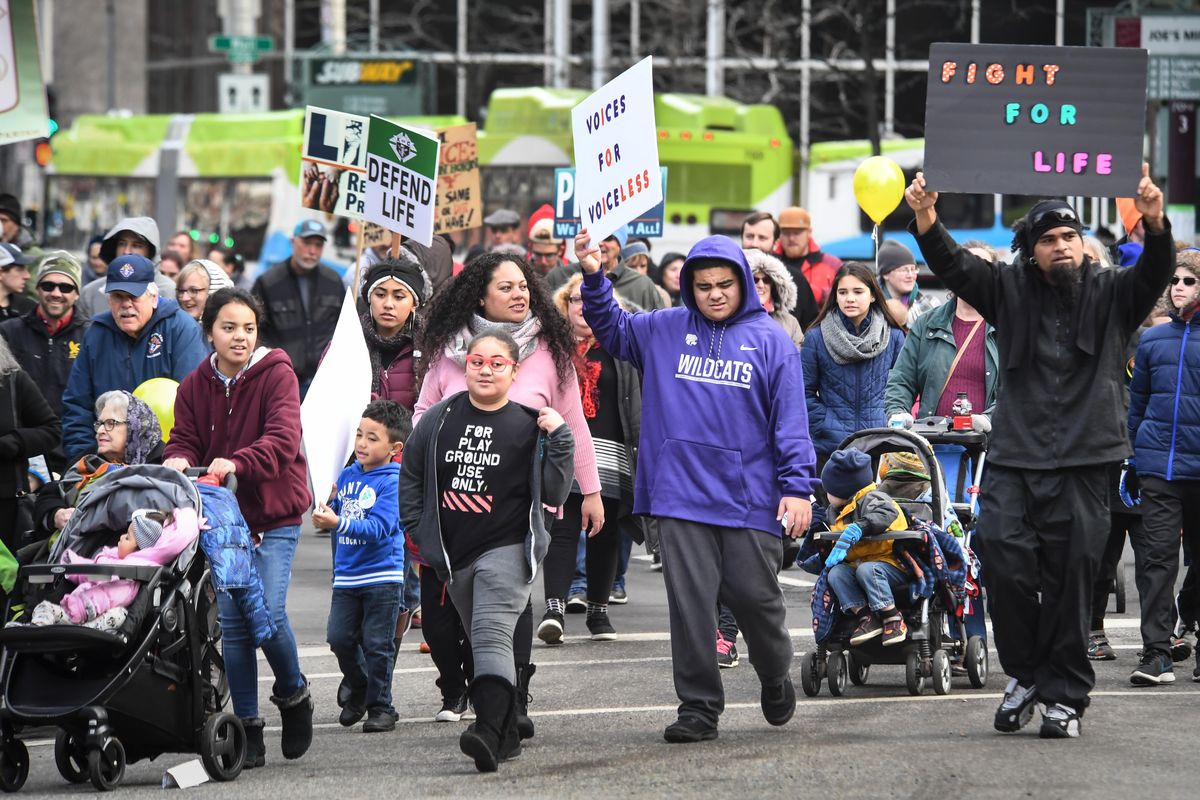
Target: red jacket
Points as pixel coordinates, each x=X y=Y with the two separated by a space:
x=255 y=423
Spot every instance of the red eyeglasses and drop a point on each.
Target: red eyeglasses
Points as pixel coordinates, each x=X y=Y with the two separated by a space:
x=495 y=363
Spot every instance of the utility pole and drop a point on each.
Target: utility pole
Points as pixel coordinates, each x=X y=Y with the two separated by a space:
x=889 y=74
x=562 y=43
x=289 y=50
x=599 y=43
x=460 y=70
x=714 y=73
x=805 y=95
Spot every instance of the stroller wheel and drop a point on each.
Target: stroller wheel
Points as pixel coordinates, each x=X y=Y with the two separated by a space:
x=977 y=662
x=912 y=673
x=858 y=672
x=810 y=677
x=941 y=672
x=106 y=766
x=70 y=758
x=223 y=746
x=837 y=674
x=14 y=765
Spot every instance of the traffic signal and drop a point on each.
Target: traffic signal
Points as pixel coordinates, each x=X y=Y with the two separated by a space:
x=43 y=153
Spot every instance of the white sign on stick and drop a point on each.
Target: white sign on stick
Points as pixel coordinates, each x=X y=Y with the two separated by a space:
x=402 y=173
x=617 y=177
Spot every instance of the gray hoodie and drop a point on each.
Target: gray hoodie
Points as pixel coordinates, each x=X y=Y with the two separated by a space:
x=92 y=300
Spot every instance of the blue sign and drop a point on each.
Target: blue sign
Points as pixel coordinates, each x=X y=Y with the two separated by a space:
x=566 y=215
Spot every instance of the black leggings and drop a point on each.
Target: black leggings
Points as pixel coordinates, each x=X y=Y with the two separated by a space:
x=602 y=551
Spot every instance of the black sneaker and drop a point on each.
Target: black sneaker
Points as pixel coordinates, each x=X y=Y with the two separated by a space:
x=1154 y=670
x=618 y=596
x=577 y=603
x=656 y=563
x=727 y=654
x=379 y=720
x=1059 y=722
x=551 y=628
x=1099 y=648
x=867 y=629
x=1016 y=709
x=1181 y=649
x=689 y=729
x=778 y=702
x=350 y=715
x=453 y=709
x=601 y=629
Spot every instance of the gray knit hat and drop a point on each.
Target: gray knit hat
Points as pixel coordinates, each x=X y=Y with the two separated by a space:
x=145 y=530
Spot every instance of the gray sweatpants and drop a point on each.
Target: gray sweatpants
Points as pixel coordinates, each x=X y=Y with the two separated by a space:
x=490 y=593
x=701 y=562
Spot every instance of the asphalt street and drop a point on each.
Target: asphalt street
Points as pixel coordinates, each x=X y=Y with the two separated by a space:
x=600 y=709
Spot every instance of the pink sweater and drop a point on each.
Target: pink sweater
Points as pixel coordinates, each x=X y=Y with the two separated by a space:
x=536 y=386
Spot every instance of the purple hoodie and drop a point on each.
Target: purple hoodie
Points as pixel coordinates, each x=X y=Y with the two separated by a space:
x=724 y=425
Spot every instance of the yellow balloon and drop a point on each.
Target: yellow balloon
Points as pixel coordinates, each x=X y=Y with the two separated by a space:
x=159 y=394
x=878 y=187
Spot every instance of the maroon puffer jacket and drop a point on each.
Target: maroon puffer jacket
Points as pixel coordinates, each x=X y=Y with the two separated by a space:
x=398 y=380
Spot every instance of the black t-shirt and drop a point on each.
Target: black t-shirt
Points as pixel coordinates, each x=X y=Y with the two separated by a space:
x=483 y=461
x=607 y=422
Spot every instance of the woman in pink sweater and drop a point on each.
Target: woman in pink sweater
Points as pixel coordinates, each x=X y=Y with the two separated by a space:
x=499 y=290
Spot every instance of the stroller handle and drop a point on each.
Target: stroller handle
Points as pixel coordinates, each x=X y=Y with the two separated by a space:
x=230 y=481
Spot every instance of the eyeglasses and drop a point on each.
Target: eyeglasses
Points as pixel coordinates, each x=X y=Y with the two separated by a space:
x=496 y=363
x=107 y=424
x=191 y=292
x=50 y=286
x=1066 y=215
x=575 y=301
x=909 y=270
x=1176 y=280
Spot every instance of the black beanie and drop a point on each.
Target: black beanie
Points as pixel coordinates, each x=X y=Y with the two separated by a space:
x=406 y=272
x=1045 y=216
x=846 y=473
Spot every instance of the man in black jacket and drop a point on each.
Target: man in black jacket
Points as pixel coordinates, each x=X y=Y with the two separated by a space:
x=302 y=299
x=1062 y=326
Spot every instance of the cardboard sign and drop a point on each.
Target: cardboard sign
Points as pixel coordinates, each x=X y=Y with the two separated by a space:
x=23 y=112
x=373 y=235
x=566 y=213
x=459 y=198
x=617 y=176
x=1027 y=119
x=333 y=164
x=402 y=170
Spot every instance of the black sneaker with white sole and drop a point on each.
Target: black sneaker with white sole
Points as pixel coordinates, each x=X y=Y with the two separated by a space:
x=1016 y=709
x=1154 y=670
x=599 y=626
x=1059 y=722
x=551 y=628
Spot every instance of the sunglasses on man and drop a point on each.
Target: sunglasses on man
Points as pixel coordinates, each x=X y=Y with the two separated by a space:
x=49 y=286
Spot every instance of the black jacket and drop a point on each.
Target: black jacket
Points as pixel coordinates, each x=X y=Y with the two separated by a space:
x=48 y=360
x=806 y=308
x=302 y=332
x=18 y=306
x=1061 y=401
x=27 y=427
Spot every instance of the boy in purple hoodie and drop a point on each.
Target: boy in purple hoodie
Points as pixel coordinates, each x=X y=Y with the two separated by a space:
x=725 y=464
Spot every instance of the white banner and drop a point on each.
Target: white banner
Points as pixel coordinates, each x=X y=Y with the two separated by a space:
x=333 y=164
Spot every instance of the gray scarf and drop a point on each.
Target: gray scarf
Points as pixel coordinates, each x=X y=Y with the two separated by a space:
x=526 y=334
x=847 y=348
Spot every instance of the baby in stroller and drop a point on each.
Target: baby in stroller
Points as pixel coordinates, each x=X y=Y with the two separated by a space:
x=863 y=575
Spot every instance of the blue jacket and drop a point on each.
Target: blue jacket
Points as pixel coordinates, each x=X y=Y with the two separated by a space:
x=368 y=545
x=230 y=550
x=1164 y=402
x=169 y=346
x=724 y=429
x=844 y=398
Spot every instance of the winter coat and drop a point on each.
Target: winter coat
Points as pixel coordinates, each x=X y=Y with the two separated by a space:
x=255 y=423
x=632 y=286
x=229 y=546
x=549 y=485
x=925 y=360
x=1061 y=399
x=18 y=306
x=844 y=398
x=28 y=427
x=783 y=292
x=302 y=331
x=1164 y=401
x=918 y=303
x=368 y=545
x=398 y=380
x=818 y=269
x=724 y=429
x=168 y=346
x=45 y=358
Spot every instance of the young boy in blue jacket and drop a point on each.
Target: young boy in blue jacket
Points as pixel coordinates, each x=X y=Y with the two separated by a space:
x=368 y=566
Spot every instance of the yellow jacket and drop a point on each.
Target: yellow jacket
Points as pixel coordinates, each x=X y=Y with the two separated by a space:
x=875 y=512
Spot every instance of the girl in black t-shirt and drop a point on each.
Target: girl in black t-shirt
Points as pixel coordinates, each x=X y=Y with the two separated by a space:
x=478 y=472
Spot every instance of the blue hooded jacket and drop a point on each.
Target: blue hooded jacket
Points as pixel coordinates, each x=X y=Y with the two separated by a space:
x=368 y=545
x=724 y=426
x=168 y=346
x=1164 y=402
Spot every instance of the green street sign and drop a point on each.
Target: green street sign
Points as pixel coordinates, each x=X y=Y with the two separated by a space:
x=241 y=49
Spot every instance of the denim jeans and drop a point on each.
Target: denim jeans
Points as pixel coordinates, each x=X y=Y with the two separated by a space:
x=411 y=599
x=274 y=560
x=870 y=583
x=624 y=551
x=360 y=632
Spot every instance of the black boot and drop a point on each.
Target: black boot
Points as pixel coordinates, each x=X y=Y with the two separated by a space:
x=296 y=713
x=524 y=723
x=256 y=751
x=492 y=737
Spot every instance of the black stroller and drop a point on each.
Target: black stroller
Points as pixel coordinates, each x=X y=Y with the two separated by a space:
x=155 y=685
x=938 y=642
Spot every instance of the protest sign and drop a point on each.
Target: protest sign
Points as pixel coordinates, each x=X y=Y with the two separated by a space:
x=617 y=176
x=333 y=162
x=374 y=235
x=458 y=202
x=566 y=213
x=1028 y=119
x=402 y=168
x=23 y=113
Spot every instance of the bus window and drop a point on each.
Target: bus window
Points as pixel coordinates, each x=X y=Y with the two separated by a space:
x=81 y=206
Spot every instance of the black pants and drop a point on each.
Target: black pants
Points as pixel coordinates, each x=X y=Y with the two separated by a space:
x=559 y=565
x=1120 y=526
x=447 y=638
x=1167 y=507
x=1043 y=531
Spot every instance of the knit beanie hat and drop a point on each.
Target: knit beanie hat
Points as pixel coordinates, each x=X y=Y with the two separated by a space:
x=893 y=255
x=145 y=530
x=403 y=270
x=902 y=463
x=846 y=473
x=1045 y=216
x=62 y=263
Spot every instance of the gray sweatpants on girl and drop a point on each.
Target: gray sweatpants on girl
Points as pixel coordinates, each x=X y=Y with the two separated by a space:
x=490 y=593
x=701 y=562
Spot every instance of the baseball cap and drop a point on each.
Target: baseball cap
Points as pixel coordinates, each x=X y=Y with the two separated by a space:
x=795 y=217
x=10 y=254
x=310 y=227
x=130 y=274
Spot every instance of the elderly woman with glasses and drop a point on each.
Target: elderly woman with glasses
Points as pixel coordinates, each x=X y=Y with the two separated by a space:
x=898 y=279
x=195 y=282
